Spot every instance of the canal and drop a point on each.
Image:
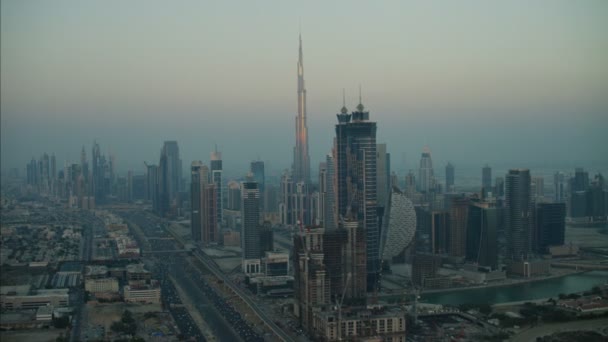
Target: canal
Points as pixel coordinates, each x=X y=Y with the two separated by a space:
x=520 y=292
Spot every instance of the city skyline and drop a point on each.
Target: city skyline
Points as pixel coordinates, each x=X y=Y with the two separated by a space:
x=476 y=96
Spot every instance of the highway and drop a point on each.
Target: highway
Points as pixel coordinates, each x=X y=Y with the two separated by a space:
x=210 y=264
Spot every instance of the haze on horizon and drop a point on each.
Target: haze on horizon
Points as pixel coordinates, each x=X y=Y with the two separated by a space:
x=479 y=82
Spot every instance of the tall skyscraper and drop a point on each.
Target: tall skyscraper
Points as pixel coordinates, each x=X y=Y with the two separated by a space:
x=550 y=226
x=538 y=188
x=257 y=169
x=458 y=226
x=486 y=179
x=170 y=170
x=355 y=148
x=197 y=179
x=216 y=178
x=203 y=199
x=153 y=186
x=327 y=192
x=383 y=172
x=250 y=220
x=425 y=172
x=234 y=196
x=559 y=184
x=301 y=159
x=449 y=177
x=518 y=214
x=482 y=228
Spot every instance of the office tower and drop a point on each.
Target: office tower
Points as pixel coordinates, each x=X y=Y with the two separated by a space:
x=216 y=178
x=401 y=226
x=394 y=183
x=286 y=206
x=326 y=190
x=500 y=186
x=482 y=230
x=250 y=219
x=410 y=185
x=425 y=172
x=311 y=277
x=301 y=204
x=301 y=159
x=559 y=187
x=486 y=180
x=518 y=214
x=170 y=168
x=271 y=198
x=537 y=188
x=266 y=238
x=355 y=272
x=129 y=186
x=596 y=199
x=580 y=181
x=550 y=226
x=355 y=148
x=424 y=266
x=234 y=196
x=458 y=226
x=449 y=177
x=383 y=188
x=322 y=192
x=99 y=167
x=203 y=200
x=257 y=169
x=153 y=186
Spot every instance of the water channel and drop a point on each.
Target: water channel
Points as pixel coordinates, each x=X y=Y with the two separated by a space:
x=520 y=292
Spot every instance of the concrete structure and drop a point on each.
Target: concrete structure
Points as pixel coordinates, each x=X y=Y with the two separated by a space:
x=425 y=172
x=424 y=266
x=21 y=297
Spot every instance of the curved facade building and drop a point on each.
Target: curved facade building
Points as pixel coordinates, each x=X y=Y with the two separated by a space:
x=401 y=227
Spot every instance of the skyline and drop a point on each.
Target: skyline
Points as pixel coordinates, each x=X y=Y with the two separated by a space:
x=441 y=82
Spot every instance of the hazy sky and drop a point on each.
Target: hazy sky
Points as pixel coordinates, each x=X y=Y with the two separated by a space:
x=479 y=81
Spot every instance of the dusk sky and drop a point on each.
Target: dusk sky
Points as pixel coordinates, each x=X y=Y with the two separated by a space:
x=479 y=81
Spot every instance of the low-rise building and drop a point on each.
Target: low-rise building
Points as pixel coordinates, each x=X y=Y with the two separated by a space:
x=142 y=293
x=101 y=285
x=381 y=323
x=21 y=297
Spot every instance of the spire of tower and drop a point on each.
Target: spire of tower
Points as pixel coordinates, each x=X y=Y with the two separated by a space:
x=360 y=106
x=344 y=110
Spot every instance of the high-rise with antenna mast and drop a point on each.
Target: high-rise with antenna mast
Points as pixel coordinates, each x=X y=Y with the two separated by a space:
x=301 y=159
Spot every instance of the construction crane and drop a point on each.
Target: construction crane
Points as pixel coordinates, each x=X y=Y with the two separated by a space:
x=339 y=305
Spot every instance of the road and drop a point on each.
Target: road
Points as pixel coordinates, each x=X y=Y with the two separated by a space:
x=600 y=325
x=263 y=316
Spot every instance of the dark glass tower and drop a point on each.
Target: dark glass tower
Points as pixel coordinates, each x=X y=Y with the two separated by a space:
x=486 y=179
x=449 y=177
x=550 y=226
x=250 y=218
x=216 y=179
x=356 y=181
x=518 y=215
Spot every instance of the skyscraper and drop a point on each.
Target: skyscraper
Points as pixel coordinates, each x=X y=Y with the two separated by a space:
x=257 y=169
x=482 y=228
x=301 y=159
x=518 y=214
x=550 y=226
x=170 y=168
x=153 y=186
x=356 y=180
x=216 y=178
x=425 y=172
x=328 y=198
x=458 y=226
x=559 y=184
x=250 y=219
x=203 y=199
x=486 y=179
x=197 y=179
x=449 y=177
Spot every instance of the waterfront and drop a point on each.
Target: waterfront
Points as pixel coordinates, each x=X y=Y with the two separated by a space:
x=520 y=292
